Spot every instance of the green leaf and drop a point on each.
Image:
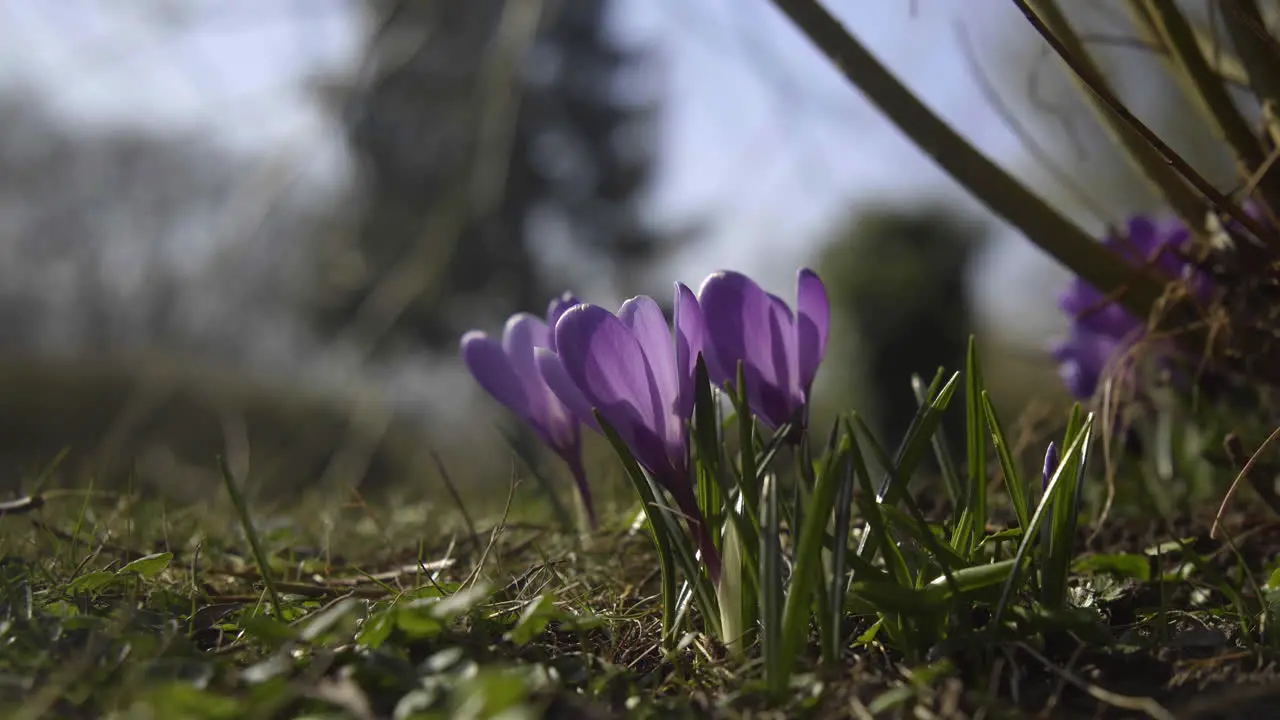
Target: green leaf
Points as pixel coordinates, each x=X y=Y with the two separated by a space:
x=92 y=582
x=417 y=620
x=493 y=694
x=534 y=618
x=1137 y=567
x=270 y=631
x=377 y=628
x=461 y=603
x=184 y=700
x=148 y=566
x=343 y=612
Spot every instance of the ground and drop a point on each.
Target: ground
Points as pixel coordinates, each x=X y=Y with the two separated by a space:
x=120 y=606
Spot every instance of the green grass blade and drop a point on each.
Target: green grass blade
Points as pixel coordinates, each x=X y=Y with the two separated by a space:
x=807 y=574
x=1056 y=567
x=1146 y=159
x=1258 y=53
x=770 y=451
x=749 y=475
x=893 y=598
x=1008 y=197
x=940 y=555
x=662 y=539
x=909 y=525
x=973 y=519
x=1069 y=457
x=917 y=441
x=246 y=522
x=708 y=449
x=771 y=599
x=832 y=631
x=1205 y=87
x=712 y=468
x=876 y=534
x=1013 y=483
x=686 y=558
x=561 y=513
x=731 y=593
x=912 y=450
x=941 y=448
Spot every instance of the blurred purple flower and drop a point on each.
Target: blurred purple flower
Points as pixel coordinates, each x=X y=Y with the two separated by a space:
x=1102 y=330
x=628 y=368
x=508 y=370
x=780 y=352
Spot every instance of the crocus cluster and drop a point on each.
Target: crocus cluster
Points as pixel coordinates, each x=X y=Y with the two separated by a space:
x=1102 y=331
x=638 y=373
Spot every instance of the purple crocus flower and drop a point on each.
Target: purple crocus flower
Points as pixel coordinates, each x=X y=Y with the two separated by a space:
x=1050 y=466
x=1051 y=462
x=1102 y=330
x=508 y=370
x=628 y=368
x=779 y=352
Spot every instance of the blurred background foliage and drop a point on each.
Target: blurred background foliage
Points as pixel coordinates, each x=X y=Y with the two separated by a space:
x=168 y=295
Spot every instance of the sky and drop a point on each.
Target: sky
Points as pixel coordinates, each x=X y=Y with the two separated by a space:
x=760 y=129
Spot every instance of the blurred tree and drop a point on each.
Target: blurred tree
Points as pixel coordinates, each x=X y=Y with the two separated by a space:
x=898 y=282
x=476 y=122
x=116 y=237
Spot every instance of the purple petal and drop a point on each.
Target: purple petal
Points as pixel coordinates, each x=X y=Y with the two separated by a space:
x=690 y=329
x=745 y=324
x=645 y=320
x=813 y=322
x=721 y=298
x=1149 y=242
x=1140 y=240
x=782 y=392
x=1093 y=310
x=492 y=369
x=606 y=361
x=563 y=387
x=1083 y=359
x=523 y=333
x=557 y=308
x=1050 y=465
